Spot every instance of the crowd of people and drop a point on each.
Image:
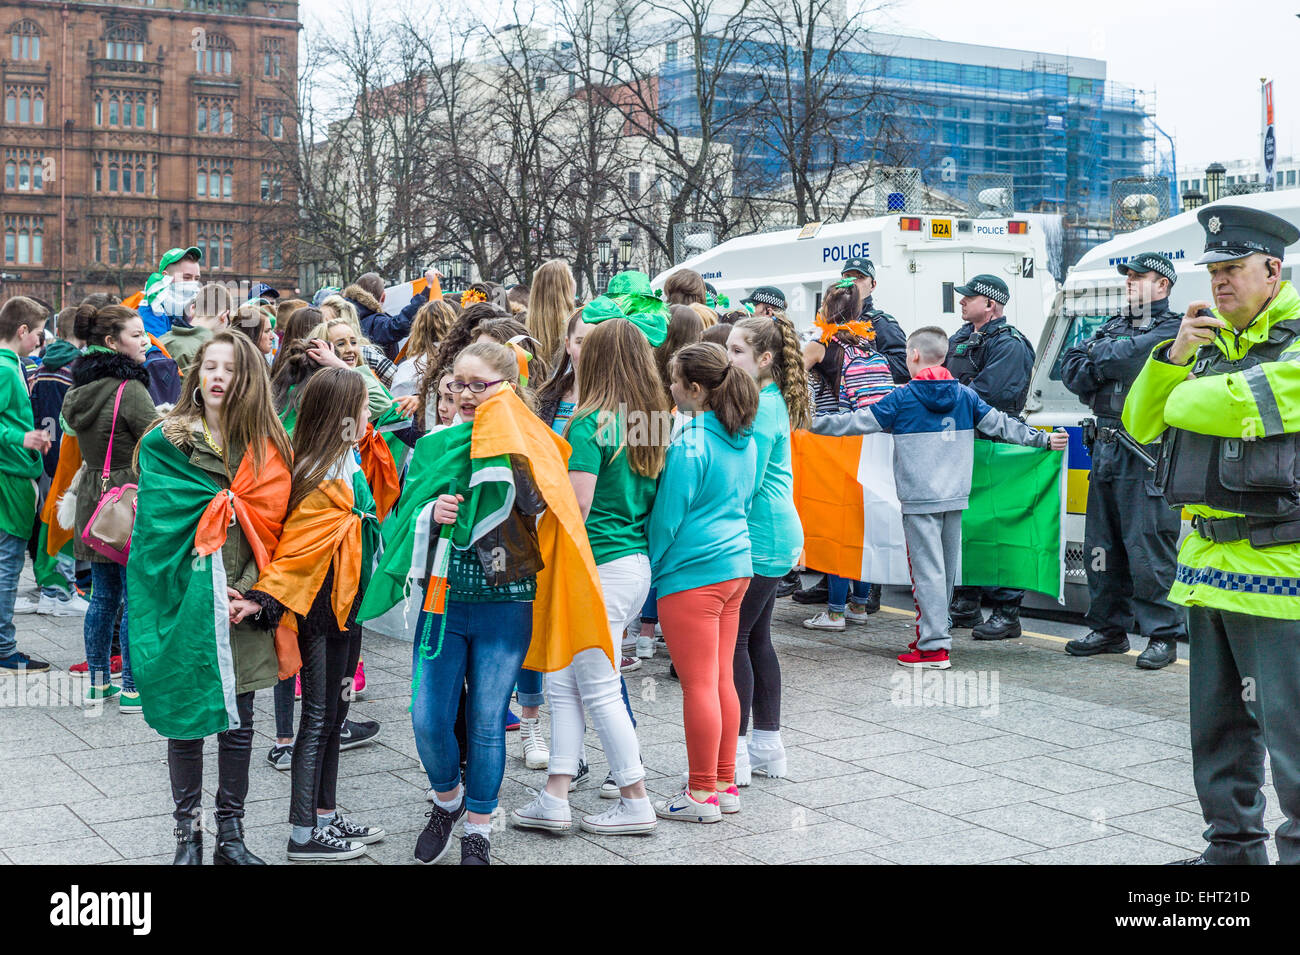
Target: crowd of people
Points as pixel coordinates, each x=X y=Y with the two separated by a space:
x=496 y=462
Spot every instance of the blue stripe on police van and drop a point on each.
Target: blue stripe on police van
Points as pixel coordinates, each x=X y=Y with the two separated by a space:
x=1240 y=583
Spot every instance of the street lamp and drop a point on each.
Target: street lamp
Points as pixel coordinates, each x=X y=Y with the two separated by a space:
x=625 y=248
x=1214 y=173
x=604 y=246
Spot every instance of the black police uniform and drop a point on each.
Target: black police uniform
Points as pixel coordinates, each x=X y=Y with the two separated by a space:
x=996 y=362
x=1130 y=540
x=890 y=341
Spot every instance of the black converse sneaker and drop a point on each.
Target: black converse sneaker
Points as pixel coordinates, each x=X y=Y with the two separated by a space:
x=351 y=831
x=434 y=841
x=474 y=850
x=584 y=771
x=324 y=846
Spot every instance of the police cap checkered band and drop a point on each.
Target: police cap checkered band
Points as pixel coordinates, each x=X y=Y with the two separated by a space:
x=767 y=295
x=1149 y=262
x=990 y=286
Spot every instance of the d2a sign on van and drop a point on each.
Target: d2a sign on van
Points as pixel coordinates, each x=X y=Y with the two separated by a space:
x=842 y=253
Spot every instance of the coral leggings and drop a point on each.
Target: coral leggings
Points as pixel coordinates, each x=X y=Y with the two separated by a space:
x=700 y=629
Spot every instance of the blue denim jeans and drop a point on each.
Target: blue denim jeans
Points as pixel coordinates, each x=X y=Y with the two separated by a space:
x=838 y=592
x=650 y=612
x=529 y=686
x=108 y=593
x=485 y=643
x=12 y=550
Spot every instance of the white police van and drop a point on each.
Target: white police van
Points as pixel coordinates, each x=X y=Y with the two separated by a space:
x=919 y=258
x=1092 y=293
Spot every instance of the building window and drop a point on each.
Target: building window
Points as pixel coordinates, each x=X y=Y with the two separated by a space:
x=1290 y=177
x=215 y=115
x=25 y=40
x=124 y=242
x=24 y=170
x=216 y=241
x=215 y=180
x=272 y=50
x=272 y=258
x=24 y=240
x=671 y=51
x=215 y=56
x=25 y=105
x=124 y=43
x=126 y=109
x=272 y=182
x=634 y=185
x=126 y=173
x=272 y=123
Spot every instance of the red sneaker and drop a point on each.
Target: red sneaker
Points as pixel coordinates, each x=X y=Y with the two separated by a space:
x=359 y=680
x=925 y=659
x=114 y=664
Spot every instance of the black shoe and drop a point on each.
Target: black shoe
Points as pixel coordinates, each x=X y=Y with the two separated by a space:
x=1097 y=642
x=818 y=593
x=1196 y=860
x=350 y=831
x=1160 y=652
x=281 y=756
x=436 y=837
x=230 y=845
x=873 y=599
x=474 y=850
x=965 y=613
x=325 y=845
x=1003 y=624
x=789 y=584
x=672 y=671
x=22 y=663
x=189 y=843
x=584 y=772
x=357 y=733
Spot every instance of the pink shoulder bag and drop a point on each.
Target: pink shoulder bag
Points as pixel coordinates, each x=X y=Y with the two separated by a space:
x=108 y=532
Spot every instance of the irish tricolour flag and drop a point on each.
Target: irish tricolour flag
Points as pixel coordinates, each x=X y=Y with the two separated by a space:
x=1013 y=531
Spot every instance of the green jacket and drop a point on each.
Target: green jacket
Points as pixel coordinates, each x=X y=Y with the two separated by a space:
x=183 y=343
x=19 y=466
x=1262 y=401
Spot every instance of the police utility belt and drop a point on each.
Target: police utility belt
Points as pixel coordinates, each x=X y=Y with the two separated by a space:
x=1258 y=478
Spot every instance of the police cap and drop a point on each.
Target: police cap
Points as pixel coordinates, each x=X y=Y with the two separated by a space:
x=766 y=295
x=1233 y=232
x=861 y=266
x=990 y=286
x=1149 y=262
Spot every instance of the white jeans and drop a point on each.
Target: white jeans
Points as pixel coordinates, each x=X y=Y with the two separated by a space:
x=591 y=684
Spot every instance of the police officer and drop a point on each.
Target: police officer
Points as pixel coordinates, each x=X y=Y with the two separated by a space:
x=1229 y=455
x=995 y=360
x=890 y=340
x=766 y=301
x=1130 y=533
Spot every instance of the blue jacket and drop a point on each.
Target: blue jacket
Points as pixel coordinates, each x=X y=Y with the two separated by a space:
x=699 y=529
x=933 y=422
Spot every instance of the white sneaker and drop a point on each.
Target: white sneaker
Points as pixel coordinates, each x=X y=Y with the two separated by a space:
x=824 y=621
x=28 y=605
x=852 y=617
x=686 y=808
x=536 y=816
x=768 y=761
x=729 y=799
x=630 y=663
x=743 y=769
x=536 y=755
x=428 y=794
x=619 y=820
x=74 y=605
x=645 y=647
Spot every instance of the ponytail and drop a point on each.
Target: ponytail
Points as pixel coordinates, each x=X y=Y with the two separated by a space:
x=95 y=326
x=777 y=335
x=732 y=394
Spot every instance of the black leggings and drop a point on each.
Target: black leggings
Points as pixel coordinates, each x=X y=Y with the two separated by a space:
x=329 y=659
x=756 y=669
x=234 y=749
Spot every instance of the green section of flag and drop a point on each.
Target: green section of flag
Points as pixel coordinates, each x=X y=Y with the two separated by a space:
x=1012 y=530
x=180 y=634
x=441 y=465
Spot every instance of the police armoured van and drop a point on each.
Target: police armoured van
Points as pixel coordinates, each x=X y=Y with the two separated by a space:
x=1093 y=292
x=920 y=258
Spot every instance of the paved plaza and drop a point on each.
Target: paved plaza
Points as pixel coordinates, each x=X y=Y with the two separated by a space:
x=1020 y=754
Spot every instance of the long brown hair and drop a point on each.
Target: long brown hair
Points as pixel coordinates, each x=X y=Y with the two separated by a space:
x=332 y=399
x=564 y=375
x=841 y=306
x=550 y=302
x=294 y=329
x=684 y=328
x=505 y=329
x=777 y=335
x=247 y=417
x=731 y=394
x=465 y=331
x=685 y=287
x=617 y=375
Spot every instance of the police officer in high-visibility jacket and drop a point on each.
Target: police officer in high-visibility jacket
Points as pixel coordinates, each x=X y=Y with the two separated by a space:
x=1130 y=535
x=1225 y=395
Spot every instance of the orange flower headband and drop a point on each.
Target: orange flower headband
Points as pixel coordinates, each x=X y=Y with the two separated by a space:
x=858 y=327
x=471 y=296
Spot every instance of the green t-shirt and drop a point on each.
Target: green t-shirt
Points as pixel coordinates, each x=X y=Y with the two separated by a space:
x=19 y=466
x=616 y=524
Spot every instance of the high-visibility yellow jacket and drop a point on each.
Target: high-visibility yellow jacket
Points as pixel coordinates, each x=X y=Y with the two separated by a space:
x=1261 y=401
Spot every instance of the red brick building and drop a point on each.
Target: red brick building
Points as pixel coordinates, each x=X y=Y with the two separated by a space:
x=132 y=127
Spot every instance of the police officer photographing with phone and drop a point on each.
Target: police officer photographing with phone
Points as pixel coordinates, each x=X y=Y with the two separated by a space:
x=996 y=361
x=1130 y=537
x=1225 y=394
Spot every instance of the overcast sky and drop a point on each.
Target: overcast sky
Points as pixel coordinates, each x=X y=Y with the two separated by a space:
x=1202 y=61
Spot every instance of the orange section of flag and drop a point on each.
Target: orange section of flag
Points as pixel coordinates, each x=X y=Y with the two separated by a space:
x=569 y=611
x=69 y=461
x=133 y=301
x=380 y=469
x=829 y=500
x=258 y=501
